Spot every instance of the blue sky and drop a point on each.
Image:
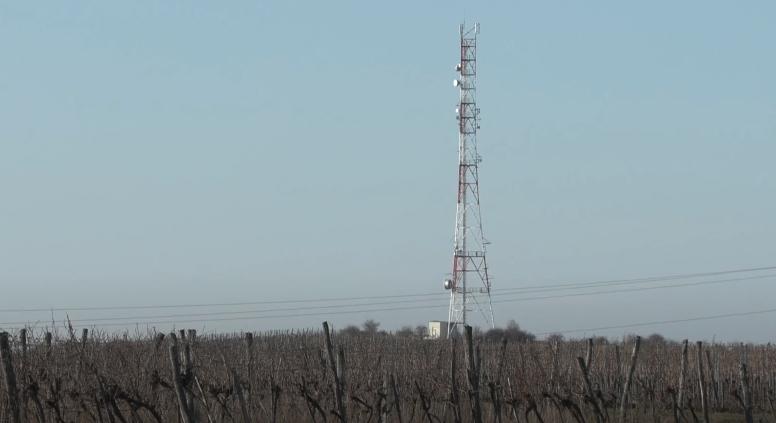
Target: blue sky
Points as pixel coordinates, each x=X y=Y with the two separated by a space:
x=172 y=152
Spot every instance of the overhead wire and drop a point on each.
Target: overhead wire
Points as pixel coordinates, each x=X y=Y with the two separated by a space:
x=647 y=288
x=252 y=314
x=642 y=280
x=505 y=291
x=543 y=333
x=662 y=322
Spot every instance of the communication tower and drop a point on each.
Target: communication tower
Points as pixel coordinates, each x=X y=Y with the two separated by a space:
x=469 y=284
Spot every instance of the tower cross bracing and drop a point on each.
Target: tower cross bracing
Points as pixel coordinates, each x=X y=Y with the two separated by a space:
x=469 y=283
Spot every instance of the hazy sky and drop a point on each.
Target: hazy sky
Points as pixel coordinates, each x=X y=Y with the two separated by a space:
x=214 y=152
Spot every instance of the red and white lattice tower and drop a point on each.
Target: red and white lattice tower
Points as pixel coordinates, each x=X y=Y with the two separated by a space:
x=469 y=283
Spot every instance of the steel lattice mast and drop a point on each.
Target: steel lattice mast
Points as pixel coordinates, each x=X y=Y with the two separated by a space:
x=469 y=284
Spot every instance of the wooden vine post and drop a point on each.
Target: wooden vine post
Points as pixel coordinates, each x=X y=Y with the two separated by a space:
x=454 y=390
x=472 y=371
x=682 y=375
x=10 y=378
x=702 y=383
x=746 y=394
x=583 y=368
x=177 y=380
x=336 y=371
x=629 y=380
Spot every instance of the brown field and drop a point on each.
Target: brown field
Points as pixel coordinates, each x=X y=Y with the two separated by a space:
x=293 y=376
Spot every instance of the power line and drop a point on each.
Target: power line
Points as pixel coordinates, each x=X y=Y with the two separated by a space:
x=567 y=331
x=134 y=319
x=524 y=289
x=641 y=280
x=665 y=322
x=226 y=319
x=124 y=321
x=647 y=288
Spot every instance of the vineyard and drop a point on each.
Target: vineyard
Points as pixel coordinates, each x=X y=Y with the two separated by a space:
x=329 y=376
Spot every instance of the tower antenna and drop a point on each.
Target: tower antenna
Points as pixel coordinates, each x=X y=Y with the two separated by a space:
x=469 y=284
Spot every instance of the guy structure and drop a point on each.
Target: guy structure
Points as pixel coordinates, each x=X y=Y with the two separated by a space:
x=469 y=283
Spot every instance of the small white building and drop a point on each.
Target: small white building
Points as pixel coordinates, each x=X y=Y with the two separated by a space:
x=437 y=329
